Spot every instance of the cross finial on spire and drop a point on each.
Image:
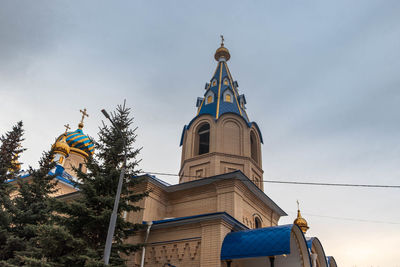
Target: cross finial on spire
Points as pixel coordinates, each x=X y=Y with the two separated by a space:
x=66 y=128
x=222 y=40
x=84 y=114
x=298 y=205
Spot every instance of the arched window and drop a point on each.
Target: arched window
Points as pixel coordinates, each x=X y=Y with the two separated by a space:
x=209 y=97
x=257 y=223
x=214 y=82
x=253 y=146
x=228 y=96
x=203 y=135
x=226 y=81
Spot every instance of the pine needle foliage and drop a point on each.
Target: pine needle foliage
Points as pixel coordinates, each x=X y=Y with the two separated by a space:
x=10 y=151
x=88 y=217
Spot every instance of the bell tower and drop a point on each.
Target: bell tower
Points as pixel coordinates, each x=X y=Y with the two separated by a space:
x=221 y=138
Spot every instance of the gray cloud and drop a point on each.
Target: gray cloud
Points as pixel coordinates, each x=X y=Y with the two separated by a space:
x=321 y=80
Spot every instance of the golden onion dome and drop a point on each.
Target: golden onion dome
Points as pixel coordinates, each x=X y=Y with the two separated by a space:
x=222 y=52
x=61 y=146
x=301 y=222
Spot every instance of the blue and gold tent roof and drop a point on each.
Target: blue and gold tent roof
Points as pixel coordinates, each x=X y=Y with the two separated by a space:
x=220 y=84
x=215 y=101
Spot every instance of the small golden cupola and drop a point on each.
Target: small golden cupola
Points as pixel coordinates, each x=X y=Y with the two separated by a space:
x=222 y=52
x=300 y=221
x=61 y=148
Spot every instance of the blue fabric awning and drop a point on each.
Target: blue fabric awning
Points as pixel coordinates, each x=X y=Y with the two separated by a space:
x=261 y=242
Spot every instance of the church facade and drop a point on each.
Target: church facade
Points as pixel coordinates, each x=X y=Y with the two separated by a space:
x=218 y=214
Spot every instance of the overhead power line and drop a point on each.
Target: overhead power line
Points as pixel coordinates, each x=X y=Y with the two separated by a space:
x=348 y=219
x=293 y=182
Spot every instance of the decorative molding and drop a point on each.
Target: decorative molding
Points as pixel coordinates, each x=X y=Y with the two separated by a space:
x=173 y=252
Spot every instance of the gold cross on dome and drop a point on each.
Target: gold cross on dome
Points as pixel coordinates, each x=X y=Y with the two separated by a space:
x=222 y=40
x=298 y=204
x=66 y=128
x=84 y=114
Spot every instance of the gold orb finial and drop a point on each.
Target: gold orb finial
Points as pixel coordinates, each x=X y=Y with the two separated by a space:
x=84 y=114
x=222 y=52
x=300 y=221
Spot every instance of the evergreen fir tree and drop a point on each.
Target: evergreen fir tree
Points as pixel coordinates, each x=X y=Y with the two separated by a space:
x=32 y=206
x=36 y=238
x=31 y=209
x=10 y=150
x=88 y=217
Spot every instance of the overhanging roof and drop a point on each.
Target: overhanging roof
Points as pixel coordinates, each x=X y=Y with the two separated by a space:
x=238 y=175
x=171 y=222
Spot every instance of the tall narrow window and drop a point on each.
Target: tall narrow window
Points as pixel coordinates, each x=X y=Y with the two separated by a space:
x=204 y=139
x=253 y=146
x=209 y=99
x=257 y=223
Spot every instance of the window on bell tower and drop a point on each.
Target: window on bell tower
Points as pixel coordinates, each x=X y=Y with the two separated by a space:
x=203 y=139
x=209 y=97
x=253 y=146
x=228 y=98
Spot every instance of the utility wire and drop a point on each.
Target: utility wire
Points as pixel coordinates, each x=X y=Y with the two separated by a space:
x=307 y=183
x=347 y=219
x=293 y=182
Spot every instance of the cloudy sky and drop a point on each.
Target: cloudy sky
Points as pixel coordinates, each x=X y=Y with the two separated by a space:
x=321 y=79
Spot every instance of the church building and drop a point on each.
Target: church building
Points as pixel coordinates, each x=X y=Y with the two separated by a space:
x=218 y=214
